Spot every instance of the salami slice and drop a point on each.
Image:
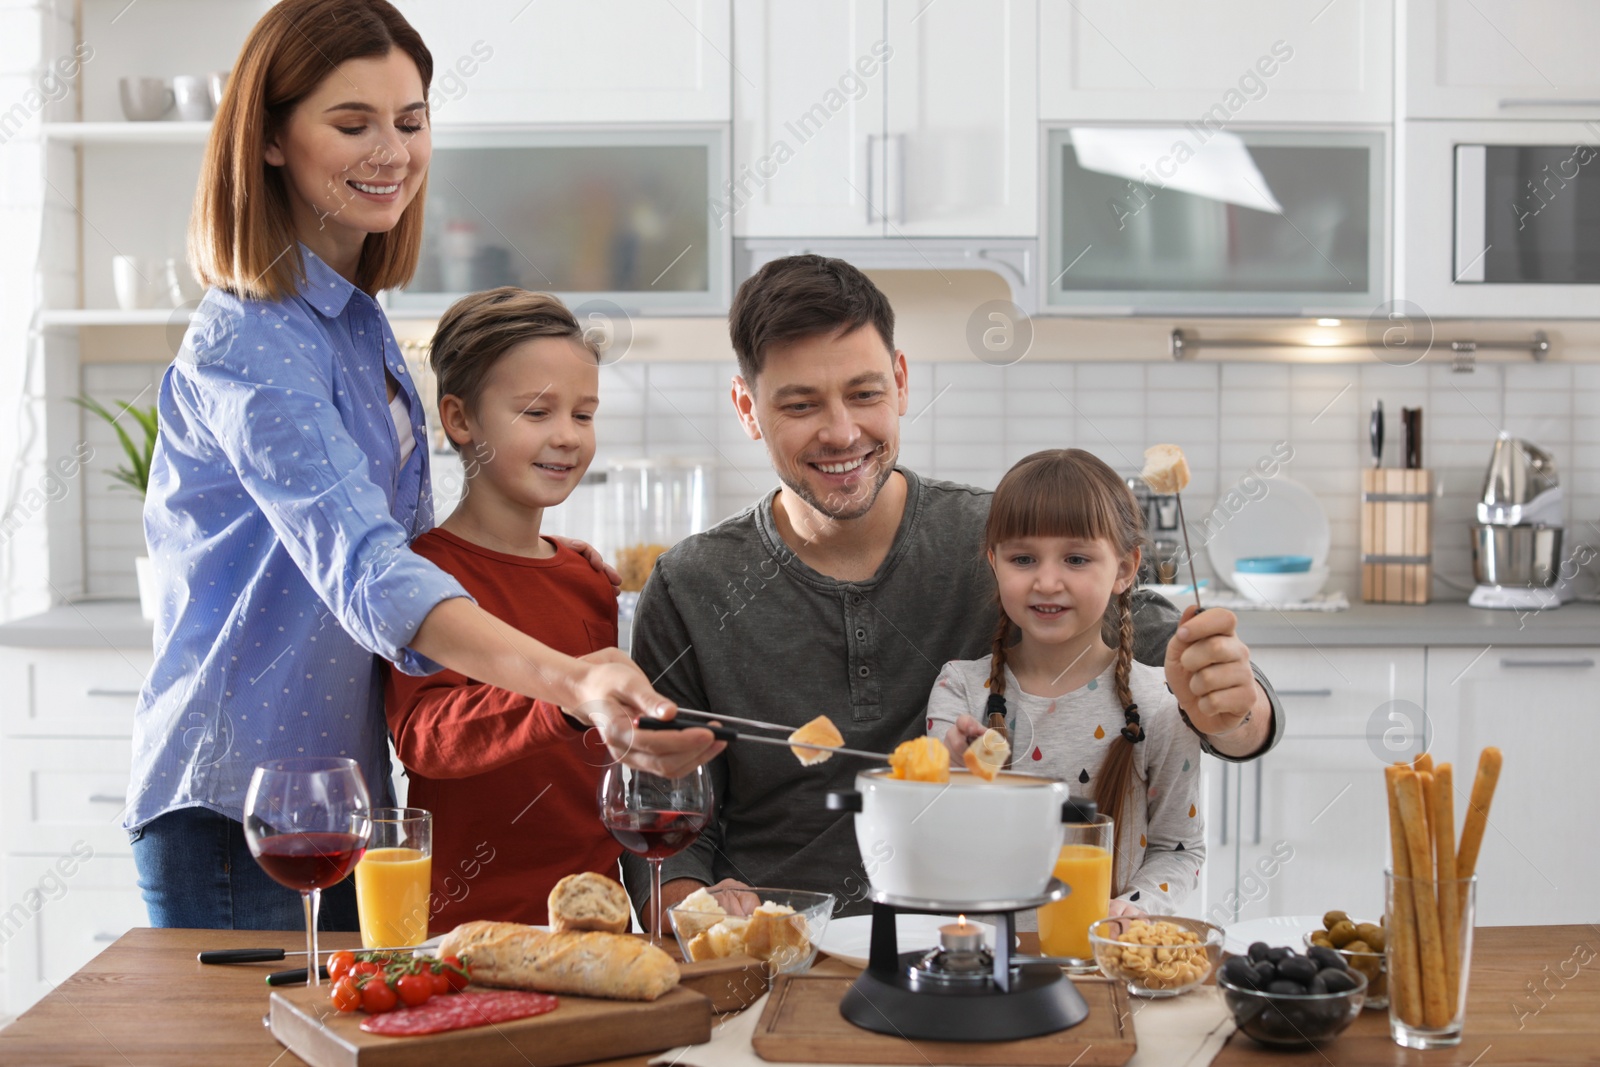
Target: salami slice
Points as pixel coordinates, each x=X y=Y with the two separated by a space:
x=460 y=1012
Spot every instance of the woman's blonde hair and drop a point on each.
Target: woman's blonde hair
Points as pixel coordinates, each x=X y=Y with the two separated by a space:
x=1067 y=492
x=241 y=235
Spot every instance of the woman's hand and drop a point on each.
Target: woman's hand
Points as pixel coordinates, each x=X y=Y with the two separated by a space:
x=1122 y=909
x=592 y=554
x=612 y=693
x=965 y=731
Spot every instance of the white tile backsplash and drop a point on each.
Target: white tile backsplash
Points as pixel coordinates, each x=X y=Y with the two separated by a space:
x=1227 y=417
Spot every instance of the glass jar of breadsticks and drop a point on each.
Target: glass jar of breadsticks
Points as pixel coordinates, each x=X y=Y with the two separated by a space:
x=651 y=505
x=1430 y=897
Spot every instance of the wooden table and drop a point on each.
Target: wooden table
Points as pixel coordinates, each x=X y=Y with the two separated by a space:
x=146 y=1002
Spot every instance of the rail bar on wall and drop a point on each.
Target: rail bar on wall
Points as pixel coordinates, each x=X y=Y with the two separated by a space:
x=1183 y=345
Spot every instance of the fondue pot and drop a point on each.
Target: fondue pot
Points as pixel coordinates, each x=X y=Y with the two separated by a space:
x=970 y=842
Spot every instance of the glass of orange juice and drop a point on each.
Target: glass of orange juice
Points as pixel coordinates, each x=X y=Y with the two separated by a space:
x=392 y=878
x=1085 y=866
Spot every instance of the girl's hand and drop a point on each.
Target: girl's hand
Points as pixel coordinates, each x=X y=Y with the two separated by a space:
x=592 y=554
x=612 y=692
x=1122 y=909
x=1208 y=668
x=965 y=731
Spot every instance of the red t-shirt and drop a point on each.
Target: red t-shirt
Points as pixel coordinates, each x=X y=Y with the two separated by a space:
x=513 y=786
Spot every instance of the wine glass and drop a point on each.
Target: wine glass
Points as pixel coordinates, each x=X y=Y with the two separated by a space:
x=307 y=822
x=654 y=817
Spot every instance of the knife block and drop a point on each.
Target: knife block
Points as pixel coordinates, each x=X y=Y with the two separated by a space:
x=1396 y=536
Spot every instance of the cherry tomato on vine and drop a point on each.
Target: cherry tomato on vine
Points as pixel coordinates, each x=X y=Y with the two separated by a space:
x=414 y=989
x=377 y=997
x=339 y=964
x=458 y=980
x=345 y=995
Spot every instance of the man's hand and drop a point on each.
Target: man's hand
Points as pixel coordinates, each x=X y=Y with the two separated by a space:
x=592 y=554
x=1208 y=668
x=612 y=693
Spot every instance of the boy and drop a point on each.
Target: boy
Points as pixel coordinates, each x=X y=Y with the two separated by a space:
x=511 y=783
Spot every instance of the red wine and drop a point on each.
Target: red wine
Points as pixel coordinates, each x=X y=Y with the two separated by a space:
x=655 y=834
x=310 y=861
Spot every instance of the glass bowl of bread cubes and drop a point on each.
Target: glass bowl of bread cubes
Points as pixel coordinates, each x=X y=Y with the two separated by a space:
x=782 y=930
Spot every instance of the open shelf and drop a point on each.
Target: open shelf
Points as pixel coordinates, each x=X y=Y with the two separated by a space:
x=128 y=132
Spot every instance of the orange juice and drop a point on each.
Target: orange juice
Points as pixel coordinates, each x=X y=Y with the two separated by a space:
x=392 y=896
x=1064 y=925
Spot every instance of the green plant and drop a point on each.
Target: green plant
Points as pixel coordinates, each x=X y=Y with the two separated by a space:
x=136 y=475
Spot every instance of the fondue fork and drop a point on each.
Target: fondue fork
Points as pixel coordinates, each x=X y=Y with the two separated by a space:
x=757 y=723
x=728 y=733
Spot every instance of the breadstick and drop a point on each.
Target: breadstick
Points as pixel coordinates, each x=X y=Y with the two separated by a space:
x=1423 y=762
x=1425 y=778
x=1403 y=970
x=1477 y=818
x=1430 y=949
x=1444 y=843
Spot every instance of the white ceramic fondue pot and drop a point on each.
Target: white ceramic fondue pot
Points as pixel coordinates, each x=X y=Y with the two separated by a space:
x=968 y=842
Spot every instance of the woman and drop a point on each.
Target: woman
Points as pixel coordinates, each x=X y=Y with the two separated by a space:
x=292 y=472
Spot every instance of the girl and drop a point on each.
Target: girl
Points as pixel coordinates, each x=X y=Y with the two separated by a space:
x=291 y=473
x=1063 y=540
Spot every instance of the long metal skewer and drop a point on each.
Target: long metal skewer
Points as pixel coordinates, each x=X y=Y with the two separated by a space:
x=1187 y=551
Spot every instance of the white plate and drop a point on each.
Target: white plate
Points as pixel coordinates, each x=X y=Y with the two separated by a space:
x=1289 y=930
x=1287 y=521
x=849 y=939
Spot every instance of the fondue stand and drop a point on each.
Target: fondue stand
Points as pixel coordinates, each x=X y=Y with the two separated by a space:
x=960 y=991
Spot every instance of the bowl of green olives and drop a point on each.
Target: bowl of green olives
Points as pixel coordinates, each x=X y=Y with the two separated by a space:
x=1362 y=946
x=1281 y=998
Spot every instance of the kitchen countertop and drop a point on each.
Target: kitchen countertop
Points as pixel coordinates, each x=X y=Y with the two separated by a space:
x=117 y=624
x=145 y=1000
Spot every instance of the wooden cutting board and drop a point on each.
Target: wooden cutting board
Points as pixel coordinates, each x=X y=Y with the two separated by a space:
x=581 y=1030
x=802 y=1024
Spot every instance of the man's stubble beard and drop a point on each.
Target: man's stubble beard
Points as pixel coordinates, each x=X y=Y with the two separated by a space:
x=841 y=507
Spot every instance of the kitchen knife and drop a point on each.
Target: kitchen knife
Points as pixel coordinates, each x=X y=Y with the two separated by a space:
x=1375 y=432
x=1411 y=418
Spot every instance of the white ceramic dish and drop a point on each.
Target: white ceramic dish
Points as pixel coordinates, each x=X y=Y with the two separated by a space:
x=1280 y=588
x=1286 y=521
x=1277 y=930
x=849 y=939
x=968 y=842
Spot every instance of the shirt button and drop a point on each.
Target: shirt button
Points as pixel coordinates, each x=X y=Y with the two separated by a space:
x=855 y=598
x=861 y=635
x=863 y=671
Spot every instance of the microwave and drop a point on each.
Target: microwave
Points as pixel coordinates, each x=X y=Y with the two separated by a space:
x=1502 y=219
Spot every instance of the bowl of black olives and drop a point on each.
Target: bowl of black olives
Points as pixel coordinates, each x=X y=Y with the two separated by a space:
x=1279 y=997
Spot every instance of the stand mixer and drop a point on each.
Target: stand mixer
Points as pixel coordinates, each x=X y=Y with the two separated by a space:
x=1516 y=544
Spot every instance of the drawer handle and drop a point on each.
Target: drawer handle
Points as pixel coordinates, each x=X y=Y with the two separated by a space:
x=1304 y=692
x=107 y=798
x=106 y=937
x=97 y=691
x=1552 y=101
x=1580 y=663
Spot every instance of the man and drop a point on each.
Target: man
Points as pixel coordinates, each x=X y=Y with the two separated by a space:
x=845 y=591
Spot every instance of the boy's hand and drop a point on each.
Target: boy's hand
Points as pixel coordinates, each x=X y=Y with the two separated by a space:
x=592 y=554
x=1208 y=668
x=612 y=692
x=965 y=731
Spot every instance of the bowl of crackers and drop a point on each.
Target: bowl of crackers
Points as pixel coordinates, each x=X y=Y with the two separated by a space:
x=780 y=927
x=1159 y=957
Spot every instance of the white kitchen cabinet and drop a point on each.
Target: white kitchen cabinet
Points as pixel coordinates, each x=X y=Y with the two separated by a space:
x=1501 y=59
x=884 y=118
x=71 y=692
x=75 y=907
x=1538 y=864
x=1236 y=62
x=509 y=61
x=1344 y=692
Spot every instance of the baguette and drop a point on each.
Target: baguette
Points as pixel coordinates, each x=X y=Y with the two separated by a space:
x=1430 y=946
x=1444 y=844
x=591 y=964
x=1404 y=973
x=589 y=901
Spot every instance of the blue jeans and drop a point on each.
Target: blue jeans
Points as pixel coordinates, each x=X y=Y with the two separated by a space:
x=196 y=872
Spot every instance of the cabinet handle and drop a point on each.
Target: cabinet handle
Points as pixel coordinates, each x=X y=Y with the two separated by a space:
x=872 y=171
x=1580 y=662
x=1257 y=841
x=1540 y=101
x=97 y=691
x=106 y=798
x=900 y=177
x=1304 y=692
x=1226 y=770
x=105 y=937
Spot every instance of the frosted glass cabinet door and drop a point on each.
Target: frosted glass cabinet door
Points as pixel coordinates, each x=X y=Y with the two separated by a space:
x=619 y=215
x=963 y=135
x=588 y=61
x=808 y=119
x=1194 y=219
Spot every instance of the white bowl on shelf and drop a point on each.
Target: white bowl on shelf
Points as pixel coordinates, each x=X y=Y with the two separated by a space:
x=1280 y=588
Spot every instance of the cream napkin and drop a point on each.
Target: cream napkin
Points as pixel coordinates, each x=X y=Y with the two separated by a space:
x=1186 y=1031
